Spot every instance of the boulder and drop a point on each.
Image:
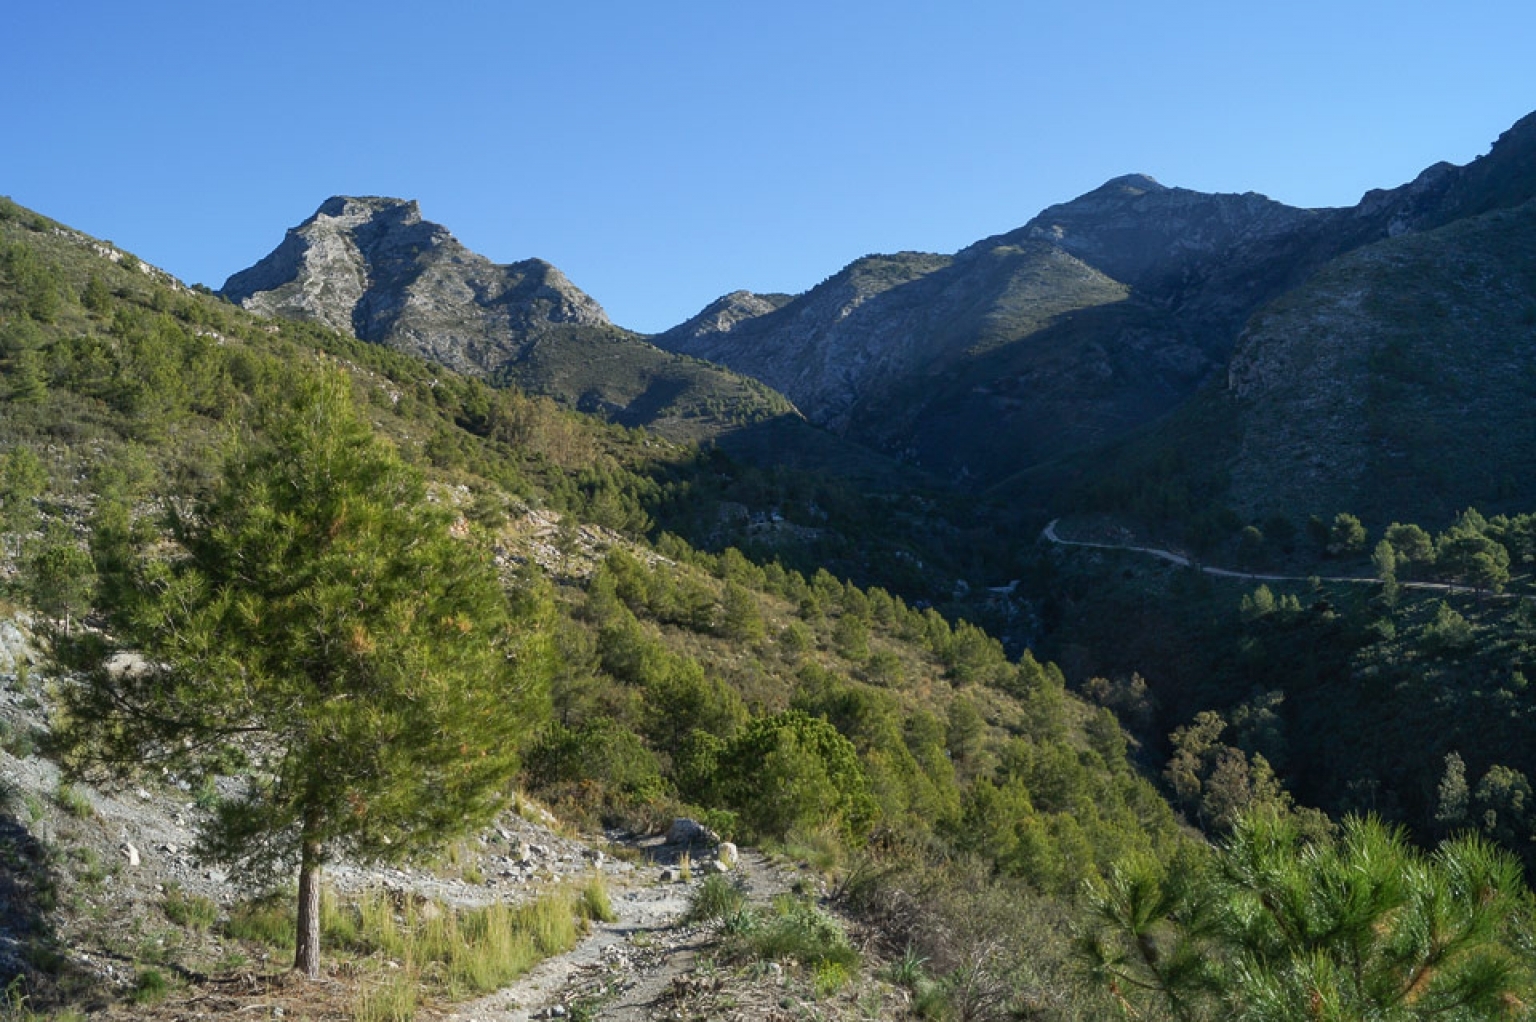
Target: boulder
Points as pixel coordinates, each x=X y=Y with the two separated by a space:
x=690 y=832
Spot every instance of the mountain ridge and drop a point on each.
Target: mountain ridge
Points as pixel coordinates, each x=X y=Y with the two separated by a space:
x=985 y=369
x=1084 y=328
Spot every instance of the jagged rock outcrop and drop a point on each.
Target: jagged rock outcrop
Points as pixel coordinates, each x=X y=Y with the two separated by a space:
x=372 y=267
x=724 y=314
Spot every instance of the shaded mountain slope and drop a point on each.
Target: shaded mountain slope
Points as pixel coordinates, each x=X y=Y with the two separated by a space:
x=1398 y=380
x=1391 y=379
x=1083 y=328
x=1097 y=316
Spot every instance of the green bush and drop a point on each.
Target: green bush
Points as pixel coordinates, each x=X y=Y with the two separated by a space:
x=795 y=930
x=792 y=772
x=602 y=754
x=150 y=987
x=716 y=898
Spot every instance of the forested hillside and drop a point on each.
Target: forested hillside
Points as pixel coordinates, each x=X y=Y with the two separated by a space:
x=1117 y=811
x=781 y=707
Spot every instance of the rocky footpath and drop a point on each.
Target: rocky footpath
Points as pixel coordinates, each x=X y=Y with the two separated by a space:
x=90 y=873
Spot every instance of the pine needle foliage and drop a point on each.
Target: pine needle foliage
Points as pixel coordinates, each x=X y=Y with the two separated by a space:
x=322 y=626
x=1277 y=926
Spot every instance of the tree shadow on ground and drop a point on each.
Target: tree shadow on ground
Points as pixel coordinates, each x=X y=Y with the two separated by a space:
x=33 y=961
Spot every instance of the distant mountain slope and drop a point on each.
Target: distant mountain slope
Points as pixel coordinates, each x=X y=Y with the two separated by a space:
x=1392 y=380
x=1398 y=381
x=373 y=268
x=1088 y=325
x=1084 y=323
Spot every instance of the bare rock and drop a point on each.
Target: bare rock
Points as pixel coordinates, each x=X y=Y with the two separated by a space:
x=690 y=832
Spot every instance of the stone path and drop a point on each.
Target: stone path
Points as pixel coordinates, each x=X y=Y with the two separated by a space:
x=631 y=966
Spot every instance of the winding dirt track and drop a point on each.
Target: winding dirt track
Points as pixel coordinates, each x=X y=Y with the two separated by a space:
x=1183 y=561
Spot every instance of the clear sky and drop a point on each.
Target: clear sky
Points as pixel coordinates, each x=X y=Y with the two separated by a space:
x=664 y=153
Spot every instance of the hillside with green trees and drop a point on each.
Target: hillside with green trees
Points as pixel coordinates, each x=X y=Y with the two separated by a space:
x=350 y=607
x=160 y=503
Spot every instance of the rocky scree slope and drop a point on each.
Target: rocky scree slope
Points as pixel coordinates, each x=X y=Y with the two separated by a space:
x=373 y=268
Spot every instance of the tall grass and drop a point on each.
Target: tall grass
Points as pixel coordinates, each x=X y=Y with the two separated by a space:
x=456 y=952
x=593 y=901
x=268 y=920
x=392 y=1000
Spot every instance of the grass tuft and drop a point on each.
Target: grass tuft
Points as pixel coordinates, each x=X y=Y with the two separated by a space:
x=393 y=1000
x=268 y=919
x=716 y=898
x=192 y=911
x=593 y=902
x=150 y=987
x=74 y=801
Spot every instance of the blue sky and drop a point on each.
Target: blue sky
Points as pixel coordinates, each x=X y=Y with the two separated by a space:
x=663 y=154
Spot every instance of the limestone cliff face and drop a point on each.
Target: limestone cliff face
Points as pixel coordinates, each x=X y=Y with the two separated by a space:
x=372 y=267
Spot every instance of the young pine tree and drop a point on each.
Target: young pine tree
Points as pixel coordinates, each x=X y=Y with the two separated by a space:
x=319 y=626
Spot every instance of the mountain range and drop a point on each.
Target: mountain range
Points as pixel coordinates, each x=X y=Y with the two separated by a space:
x=1306 y=360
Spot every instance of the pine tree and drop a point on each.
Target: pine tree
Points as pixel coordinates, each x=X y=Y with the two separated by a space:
x=1276 y=925
x=1452 y=796
x=323 y=626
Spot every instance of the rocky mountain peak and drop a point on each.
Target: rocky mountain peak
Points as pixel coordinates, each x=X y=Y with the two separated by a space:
x=724 y=314
x=373 y=267
x=1130 y=185
x=1139 y=231
x=358 y=208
